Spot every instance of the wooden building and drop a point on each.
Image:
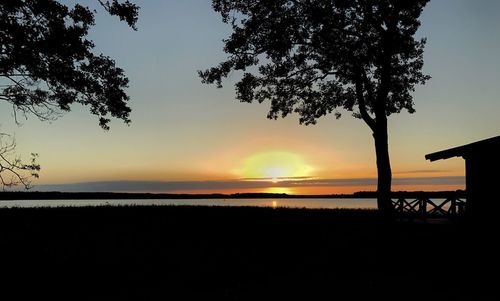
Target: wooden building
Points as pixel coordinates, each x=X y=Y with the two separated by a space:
x=482 y=175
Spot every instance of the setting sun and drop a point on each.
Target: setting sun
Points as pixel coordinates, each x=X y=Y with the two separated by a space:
x=275 y=166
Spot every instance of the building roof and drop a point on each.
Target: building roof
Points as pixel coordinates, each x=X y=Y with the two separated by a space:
x=478 y=147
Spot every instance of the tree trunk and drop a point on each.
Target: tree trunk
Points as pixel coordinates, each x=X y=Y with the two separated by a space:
x=380 y=136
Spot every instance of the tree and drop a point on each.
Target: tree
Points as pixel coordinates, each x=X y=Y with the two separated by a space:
x=47 y=64
x=316 y=57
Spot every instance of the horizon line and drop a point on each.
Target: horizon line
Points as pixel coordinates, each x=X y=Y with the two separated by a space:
x=298 y=182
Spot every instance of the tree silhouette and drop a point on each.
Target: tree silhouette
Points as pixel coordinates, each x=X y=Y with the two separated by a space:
x=316 y=57
x=47 y=64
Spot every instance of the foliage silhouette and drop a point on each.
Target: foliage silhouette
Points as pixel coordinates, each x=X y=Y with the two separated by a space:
x=317 y=57
x=47 y=63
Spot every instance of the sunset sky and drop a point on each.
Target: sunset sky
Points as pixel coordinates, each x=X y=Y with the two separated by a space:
x=189 y=137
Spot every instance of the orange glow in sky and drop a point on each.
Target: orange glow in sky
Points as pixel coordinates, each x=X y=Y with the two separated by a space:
x=274 y=166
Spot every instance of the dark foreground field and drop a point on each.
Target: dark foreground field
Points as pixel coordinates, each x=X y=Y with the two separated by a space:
x=176 y=253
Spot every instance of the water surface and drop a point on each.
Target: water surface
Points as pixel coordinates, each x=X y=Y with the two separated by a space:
x=312 y=203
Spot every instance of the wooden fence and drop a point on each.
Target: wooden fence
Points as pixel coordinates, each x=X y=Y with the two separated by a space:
x=424 y=207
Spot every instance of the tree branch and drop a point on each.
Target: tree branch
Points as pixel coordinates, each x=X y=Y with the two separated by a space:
x=13 y=171
x=362 y=105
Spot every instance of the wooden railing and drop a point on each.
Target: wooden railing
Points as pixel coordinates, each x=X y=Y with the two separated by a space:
x=424 y=207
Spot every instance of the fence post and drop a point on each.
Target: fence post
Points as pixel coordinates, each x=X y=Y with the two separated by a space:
x=422 y=207
x=453 y=207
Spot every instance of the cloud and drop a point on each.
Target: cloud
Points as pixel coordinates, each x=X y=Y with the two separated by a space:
x=173 y=186
x=278 y=178
x=402 y=172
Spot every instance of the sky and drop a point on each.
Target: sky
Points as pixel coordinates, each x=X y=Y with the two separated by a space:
x=194 y=138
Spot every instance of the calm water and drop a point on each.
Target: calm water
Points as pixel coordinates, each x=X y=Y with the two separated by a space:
x=274 y=203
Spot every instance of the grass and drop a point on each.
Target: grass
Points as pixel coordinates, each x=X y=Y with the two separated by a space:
x=236 y=253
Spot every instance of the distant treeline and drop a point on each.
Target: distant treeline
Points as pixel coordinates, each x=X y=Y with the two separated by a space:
x=55 y=195
x=413 y=194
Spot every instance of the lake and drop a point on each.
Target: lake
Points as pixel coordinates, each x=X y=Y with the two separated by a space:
x=313 y=203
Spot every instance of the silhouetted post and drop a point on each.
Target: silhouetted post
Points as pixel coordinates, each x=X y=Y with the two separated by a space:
x=422 y=207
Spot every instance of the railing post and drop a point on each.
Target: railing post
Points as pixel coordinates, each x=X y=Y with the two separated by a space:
x=462 y=207
x=453 y=207
x=423 y=207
